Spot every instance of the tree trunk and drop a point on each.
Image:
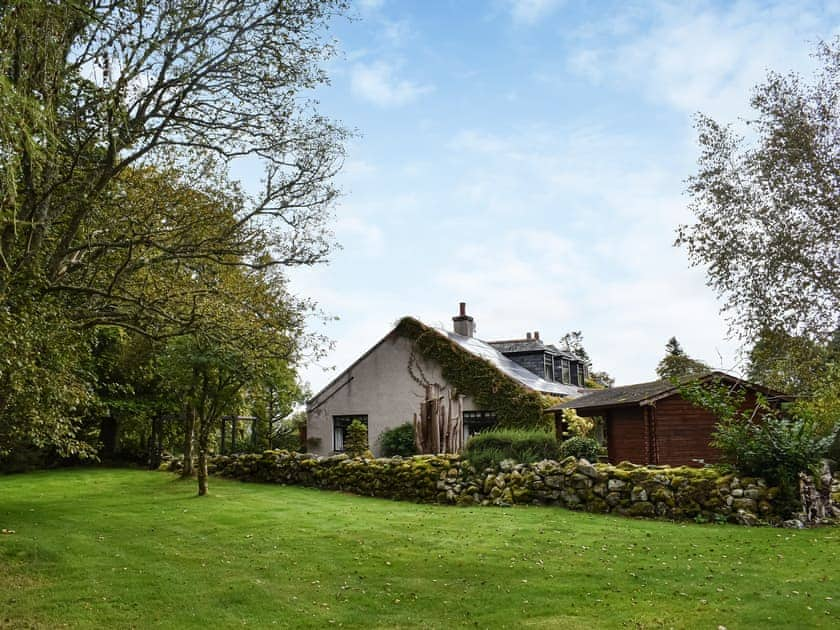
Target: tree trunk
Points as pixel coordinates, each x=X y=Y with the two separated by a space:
x=189 y=435
x=202 y=471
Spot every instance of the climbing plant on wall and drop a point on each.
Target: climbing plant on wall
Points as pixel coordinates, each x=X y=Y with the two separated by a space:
x=515 y=405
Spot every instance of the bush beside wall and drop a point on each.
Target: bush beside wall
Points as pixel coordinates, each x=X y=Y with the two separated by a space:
x=490 y=448
x=656 y=492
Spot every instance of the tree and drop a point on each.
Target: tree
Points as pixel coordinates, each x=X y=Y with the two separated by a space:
x=118 y=120
x=255 y=326
x=573 y=342
x=677 y=364
x=767 y=212
x=791 y=363
x=271 y=398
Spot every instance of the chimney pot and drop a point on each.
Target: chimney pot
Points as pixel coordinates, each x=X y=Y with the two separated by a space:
x=463 y=306
x=537 y=335
x=527 y=335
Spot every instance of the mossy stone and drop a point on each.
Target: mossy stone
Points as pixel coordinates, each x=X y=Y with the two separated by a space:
x=642 y=508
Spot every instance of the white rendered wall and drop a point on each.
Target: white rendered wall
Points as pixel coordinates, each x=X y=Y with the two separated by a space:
x=380 y=387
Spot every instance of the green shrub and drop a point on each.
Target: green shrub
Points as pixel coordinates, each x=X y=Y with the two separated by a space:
x=356 y=442
x=762 y=441
x=581 y=447
x=398 y=441
x=775 y=448
x=487 y=449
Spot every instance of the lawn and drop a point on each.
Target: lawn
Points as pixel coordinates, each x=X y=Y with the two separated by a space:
x=112 y=548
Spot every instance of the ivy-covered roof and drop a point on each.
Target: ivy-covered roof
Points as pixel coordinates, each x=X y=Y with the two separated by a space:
x=488 y=352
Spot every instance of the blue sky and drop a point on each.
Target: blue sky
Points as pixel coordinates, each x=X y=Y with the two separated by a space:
x=529 y=157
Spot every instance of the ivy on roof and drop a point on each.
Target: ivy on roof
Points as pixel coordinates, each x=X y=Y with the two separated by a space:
x=515 y=405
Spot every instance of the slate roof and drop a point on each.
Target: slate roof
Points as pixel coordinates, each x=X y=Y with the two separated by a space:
x=529 y=345
x=489 y=352
x=615 y=396
x=647 y=393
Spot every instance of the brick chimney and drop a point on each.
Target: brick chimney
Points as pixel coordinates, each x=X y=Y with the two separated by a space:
x=463 y=324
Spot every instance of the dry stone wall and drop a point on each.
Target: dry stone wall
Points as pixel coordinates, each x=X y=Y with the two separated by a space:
x=626 y=489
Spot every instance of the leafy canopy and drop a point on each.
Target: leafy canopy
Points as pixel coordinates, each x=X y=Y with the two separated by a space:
x=767 y=211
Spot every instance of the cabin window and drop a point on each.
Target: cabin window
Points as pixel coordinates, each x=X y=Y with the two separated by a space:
x=340 y=424
x=548 y=365
x=566 y=371
x=477 y=421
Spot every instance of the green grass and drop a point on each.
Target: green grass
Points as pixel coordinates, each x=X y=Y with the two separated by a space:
x=120 y=549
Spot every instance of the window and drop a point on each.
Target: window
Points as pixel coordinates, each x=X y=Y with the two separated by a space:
x=340 y=424
x=566 y=371
x=548 y=364
x=477 y=421
x=581 y=378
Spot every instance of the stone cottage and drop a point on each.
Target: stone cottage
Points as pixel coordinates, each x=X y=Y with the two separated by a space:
x=385 y=386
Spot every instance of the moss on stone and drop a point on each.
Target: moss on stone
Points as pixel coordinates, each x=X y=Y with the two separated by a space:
x=641 y=508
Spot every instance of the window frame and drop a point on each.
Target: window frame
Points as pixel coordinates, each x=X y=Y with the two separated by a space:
x=565 y=371
x=476 y=421
x=548 y=364
x=345 y=420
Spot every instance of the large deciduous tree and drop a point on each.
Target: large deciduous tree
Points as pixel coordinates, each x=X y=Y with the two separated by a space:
x=767 y=210
x=118 y=121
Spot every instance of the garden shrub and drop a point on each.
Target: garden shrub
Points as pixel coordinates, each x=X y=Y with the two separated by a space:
x=762 y=441
x=489 y=448
x=356 y=442
x=581 y=447
x=398 y=441
x=579 y=426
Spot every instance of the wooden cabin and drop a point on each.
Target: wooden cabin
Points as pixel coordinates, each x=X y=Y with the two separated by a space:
x=651 y=423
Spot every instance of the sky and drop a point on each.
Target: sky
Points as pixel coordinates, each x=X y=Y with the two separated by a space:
x=529 y=158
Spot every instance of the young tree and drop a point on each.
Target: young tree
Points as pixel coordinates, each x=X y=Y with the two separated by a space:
x=767 y=212
x=573 y=342
x=271 y=398
x=677 y=364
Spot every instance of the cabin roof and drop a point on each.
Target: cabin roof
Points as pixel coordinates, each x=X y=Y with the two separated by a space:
x=647 y=393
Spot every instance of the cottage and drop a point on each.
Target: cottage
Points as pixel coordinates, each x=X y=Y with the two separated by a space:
x=386 y=385
x=651 y=423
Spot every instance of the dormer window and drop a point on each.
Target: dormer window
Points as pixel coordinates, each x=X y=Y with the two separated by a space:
x=548 y=366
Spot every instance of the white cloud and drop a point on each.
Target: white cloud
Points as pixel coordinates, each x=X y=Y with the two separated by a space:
x=359 y=237
x=531 y=11
x=397 y=32
x=379 y=84
x=699 y=57
x=371 y=5
x=582 y=230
